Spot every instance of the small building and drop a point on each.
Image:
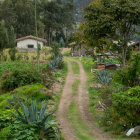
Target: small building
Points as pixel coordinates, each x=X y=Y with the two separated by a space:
x=81 y=50
x=29 y=43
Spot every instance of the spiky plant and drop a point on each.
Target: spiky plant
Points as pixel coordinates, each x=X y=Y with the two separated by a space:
x=103 y=78
x=44 y=124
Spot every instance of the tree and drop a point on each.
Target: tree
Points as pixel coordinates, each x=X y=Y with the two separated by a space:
x=3 y=38
x=61 y=42
x=107 y=21
x=12 y=44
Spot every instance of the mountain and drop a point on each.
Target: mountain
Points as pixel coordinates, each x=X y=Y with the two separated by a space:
x=80 y=5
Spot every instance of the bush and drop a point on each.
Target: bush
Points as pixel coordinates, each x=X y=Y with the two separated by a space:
x=57 y=63
x=129 y=76
x=18 y=78
x=36 y=92
x=125 y=109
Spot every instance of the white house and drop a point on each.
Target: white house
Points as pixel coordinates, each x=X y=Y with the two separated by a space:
x=29 y=43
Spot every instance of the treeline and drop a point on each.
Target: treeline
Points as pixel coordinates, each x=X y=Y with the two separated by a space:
x=55 y=19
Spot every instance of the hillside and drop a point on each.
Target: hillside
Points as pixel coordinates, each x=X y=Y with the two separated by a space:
x=79 y=4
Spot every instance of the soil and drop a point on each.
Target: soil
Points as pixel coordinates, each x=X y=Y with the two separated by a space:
x=82 y=99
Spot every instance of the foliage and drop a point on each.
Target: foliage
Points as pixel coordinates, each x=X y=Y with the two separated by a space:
x=55 y=50
x=35 y=91
x=12 y=44
x=129 y=76
x=61 y=42
x=109 y=20
x=42 y=122
x=30 y=114
x=103 y=78
x=124 y=112
x=3 y=37
x=19 y=77
x=11 y=66
x=57 y=63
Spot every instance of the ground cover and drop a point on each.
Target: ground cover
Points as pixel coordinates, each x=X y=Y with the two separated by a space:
x=98 y=93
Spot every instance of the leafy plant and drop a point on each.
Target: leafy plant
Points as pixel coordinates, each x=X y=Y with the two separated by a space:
x=57 y=63
x=19 y=77
x=129 y=75
x=125 y=109
x=30 y=113
x=55 y=50
x=42 y=123
x=103 y=78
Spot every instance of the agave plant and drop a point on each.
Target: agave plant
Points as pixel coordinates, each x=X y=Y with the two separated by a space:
x=30 y=113
x=103 y=78
x=43 y=123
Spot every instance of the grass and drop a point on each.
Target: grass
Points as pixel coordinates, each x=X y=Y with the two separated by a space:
x=81 y=129
x=75 y=86
x=75 y=68
x=94 y=98
x=45 y=55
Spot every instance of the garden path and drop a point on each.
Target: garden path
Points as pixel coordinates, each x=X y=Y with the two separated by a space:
x=82 y=100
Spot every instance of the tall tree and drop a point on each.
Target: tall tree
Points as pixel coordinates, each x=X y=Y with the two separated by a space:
x=12 y=44
x=109 y=20
x=3 y=38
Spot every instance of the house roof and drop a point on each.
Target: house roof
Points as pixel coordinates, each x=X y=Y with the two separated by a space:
x=31 y=37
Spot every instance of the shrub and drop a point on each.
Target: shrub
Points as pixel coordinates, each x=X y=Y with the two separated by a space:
x=125 y=109
x=18 y=78
x=57 y=63
x=36 y=92
x=129 y=76
x=55 y=50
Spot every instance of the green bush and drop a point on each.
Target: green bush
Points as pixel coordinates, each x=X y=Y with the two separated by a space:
x=18 y=78
x=129 y=76
x=57 y=63
x=36 y=92
x=125 y=109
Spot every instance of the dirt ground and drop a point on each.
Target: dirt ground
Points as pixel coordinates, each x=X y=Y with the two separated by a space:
x=82 y=100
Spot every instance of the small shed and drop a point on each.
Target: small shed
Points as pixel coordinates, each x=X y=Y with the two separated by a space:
x=81 y=50
x=29 y=43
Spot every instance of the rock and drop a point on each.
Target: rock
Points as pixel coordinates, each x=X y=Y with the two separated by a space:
x=130 y=131
x=137 y=130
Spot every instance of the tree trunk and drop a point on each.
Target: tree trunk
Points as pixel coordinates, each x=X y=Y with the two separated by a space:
x=124 y=56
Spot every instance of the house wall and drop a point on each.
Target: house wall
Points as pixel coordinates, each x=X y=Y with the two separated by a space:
x=22 y=45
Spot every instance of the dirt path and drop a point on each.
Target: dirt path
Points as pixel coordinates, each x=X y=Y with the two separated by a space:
x=66 y=99
x=82 y=100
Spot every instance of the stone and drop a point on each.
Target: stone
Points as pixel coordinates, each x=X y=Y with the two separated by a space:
x=137 y=130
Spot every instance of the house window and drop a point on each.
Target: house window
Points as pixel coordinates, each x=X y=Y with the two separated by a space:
x=30 y=46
